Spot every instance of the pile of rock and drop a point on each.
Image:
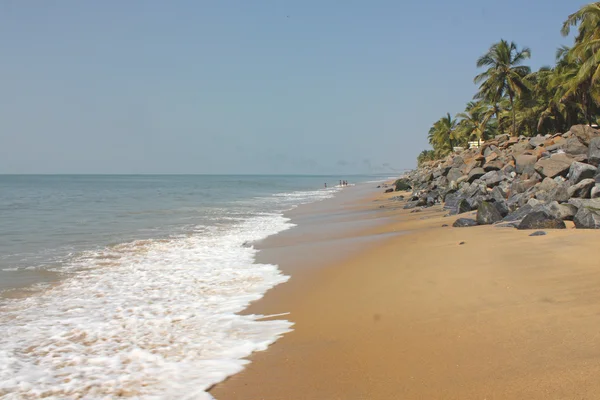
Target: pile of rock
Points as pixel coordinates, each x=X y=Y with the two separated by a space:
x=528 y=183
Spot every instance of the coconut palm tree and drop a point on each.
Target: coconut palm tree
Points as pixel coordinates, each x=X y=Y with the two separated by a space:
x=474 y=121
x=568 y=100
x=505 y=75
x=424 y=156
x=588 y=19
x=582 y=82
x=442 y=135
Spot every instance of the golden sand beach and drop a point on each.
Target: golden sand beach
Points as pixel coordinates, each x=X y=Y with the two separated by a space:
x=389 y=304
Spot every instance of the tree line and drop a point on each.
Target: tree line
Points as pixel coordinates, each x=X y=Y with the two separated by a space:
x=512 y=99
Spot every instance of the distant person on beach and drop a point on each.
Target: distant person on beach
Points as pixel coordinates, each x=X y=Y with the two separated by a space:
x=325 y=184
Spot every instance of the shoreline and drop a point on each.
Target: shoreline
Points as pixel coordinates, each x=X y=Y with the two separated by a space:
x=383 y=315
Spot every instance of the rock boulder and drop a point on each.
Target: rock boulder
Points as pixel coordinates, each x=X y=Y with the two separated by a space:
x=594 y=152
x=464 y=222
x=523 y=161
x=580 y=171
x=556 y=165
x=587 y=218
x=582 y=189
x=487 y=214
x=541 y=220
x=584 y=133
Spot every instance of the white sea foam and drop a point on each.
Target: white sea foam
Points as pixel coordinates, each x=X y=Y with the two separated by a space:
x=151 y=319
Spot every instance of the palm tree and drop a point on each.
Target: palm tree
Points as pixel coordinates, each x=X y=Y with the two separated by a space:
x=585 y=54
x=442 y=135
x=424 y=156
x=505 y=75
x=588 y=18
x=569 y=101
x=474 y=120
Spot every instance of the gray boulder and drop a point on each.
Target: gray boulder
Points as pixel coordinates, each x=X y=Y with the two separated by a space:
x=560 y=193
x=538 y=233
x=556 y=165
x=502 y=207
x=487 y=214
x=595 y=192
x=554 y=147
x=489 y=150
x=542 y=196
x=584 y=133
x=464 y=222
x=515 y=201
x=493 y=165
x=574 y=147
x=454 y=174
x=537 y=141
x=590 y=203
x=474 y=190
x=462 y=179
x=566 y=212
x=463 y=206
x=529 y=172
x=547 y=185
x=580 y=171
x=458 y=162
x=498 y=194
x=523 y=161
x=520 y=147
x=521 y=186
x=475 y=173
x=471 y=166
x=452 y=199
x=518 y=214
x=534 y=202
x=594 y=152
x=413 y=204
x=587 y=218
x=492 y=178
x=476 y=201
x=508 y=169
x=541 y=220
x=582 y=189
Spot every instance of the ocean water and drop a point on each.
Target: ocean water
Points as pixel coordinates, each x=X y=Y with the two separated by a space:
x=130 y=285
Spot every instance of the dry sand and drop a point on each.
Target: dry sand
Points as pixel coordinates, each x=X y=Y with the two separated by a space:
x=388 y=305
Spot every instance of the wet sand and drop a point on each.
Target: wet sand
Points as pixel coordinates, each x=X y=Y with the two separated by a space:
x=388 y=304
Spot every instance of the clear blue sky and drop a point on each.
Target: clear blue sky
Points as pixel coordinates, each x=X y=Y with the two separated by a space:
x=245 y=86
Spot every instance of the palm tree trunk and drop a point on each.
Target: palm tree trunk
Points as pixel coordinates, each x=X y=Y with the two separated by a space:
x=587 y=105
x=514 y=115
x=497 y=113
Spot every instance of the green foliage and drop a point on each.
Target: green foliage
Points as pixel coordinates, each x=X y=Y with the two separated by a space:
x=426 y=155
x=512 y=98
x=504 y=76
x=474 y=121
x=442 y=136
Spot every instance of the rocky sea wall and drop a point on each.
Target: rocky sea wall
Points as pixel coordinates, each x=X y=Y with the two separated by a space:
x=522 y=182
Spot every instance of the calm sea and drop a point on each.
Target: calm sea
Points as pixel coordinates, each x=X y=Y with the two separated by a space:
x=151 y=273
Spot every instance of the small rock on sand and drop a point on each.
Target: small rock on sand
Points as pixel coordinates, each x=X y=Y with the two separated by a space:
x=538 y=233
